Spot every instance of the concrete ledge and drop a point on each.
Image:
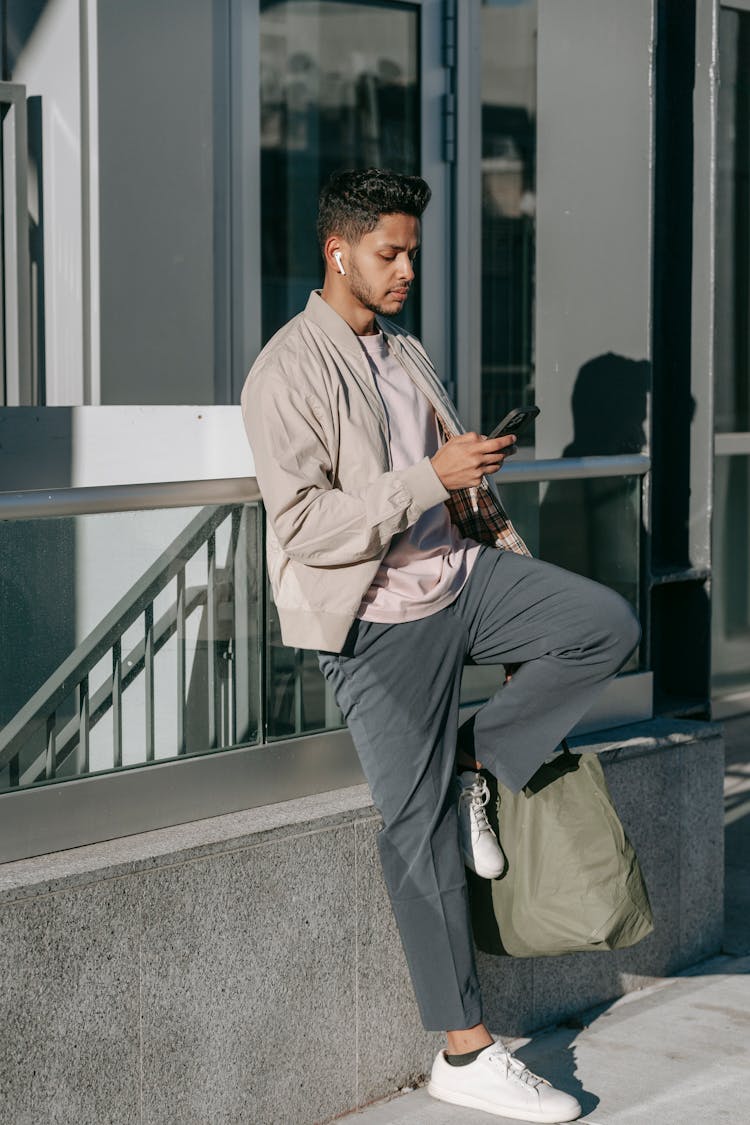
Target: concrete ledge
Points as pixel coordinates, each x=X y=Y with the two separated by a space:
x=179 y=843
x=201 y=970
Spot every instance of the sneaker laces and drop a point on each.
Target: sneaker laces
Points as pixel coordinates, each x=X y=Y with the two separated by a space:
x=502 y=1055
x=478 y=794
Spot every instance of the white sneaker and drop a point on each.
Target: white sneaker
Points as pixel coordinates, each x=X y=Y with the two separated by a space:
x=499 y=1083
x=482 y=852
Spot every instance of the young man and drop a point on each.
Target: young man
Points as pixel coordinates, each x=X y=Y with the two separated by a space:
x=390 y=554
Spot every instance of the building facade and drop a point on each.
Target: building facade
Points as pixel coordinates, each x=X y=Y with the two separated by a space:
x=587 y=248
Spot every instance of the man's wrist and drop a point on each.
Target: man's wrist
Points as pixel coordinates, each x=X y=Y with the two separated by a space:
x=437 y=474
x=425 y=484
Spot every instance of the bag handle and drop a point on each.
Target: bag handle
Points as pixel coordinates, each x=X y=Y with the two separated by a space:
x=566 y=749
x=553 y=769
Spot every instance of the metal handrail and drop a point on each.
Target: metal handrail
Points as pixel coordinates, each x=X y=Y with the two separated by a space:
x=574 y=468
x=40 y=503
x=88 y=500
x=734 y=444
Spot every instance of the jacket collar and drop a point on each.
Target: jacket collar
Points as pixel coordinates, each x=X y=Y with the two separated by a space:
x=321 y=313
x=343 y=335
x=345 y=338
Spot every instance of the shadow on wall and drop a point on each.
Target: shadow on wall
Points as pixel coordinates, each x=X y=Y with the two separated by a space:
x=591 y=526
x=20 y=17
x=609 y=404
x=594 y=527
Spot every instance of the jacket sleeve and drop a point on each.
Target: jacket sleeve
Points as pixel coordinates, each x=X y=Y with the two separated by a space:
x=314 y=522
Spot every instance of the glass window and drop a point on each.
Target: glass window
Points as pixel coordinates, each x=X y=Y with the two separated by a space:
x=732 y=403
x=339 y=89
x=508 y=206
x=730 y=611
x=730 y=658
x=162 y=97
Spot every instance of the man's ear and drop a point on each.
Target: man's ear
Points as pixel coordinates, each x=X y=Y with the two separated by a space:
x=336 y=253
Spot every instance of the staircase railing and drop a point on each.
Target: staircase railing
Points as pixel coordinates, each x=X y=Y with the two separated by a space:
x=230 y=597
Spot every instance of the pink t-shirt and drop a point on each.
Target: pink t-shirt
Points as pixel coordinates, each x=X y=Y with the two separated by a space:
x=426 y=566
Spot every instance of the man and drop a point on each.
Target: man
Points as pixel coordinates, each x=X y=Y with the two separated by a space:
x=390 y=554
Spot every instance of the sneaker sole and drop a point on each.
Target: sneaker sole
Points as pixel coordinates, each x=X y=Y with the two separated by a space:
x=482 y=874
x=473 y=1102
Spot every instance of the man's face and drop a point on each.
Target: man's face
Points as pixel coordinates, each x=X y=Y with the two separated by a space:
x=380 y=266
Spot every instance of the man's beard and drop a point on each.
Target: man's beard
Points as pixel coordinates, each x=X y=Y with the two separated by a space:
x=363 y=292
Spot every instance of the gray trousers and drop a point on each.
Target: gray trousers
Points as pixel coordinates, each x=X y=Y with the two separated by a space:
x=398 y=688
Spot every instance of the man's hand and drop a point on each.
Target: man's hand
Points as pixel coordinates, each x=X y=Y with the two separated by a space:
x=463 y=460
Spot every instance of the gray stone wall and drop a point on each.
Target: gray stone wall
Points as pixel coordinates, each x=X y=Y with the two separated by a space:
x=247 y=968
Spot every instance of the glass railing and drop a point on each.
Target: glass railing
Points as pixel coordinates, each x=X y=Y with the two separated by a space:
x=129 y=636
x=299 y=700
x=583 y=514
x=591 y=526
x=138 y=630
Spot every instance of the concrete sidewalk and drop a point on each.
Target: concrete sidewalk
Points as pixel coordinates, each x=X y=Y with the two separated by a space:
x=676 y=1053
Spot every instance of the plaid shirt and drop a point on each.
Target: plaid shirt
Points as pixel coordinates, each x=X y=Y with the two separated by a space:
x=479 y=515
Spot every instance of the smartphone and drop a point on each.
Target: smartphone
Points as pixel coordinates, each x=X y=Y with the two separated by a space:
x=515 y=422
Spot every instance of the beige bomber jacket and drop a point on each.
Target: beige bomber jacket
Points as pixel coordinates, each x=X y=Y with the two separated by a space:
x=319 y=436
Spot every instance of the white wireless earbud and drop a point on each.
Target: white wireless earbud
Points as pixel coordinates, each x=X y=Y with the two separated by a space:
x=337 y=256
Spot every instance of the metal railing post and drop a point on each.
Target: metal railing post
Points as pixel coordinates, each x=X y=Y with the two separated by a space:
x=16 y=386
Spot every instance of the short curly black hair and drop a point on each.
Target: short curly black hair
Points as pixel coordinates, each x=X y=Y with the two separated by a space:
x=351 y=202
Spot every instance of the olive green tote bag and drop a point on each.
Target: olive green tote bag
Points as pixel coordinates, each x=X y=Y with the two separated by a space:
x=572 y=880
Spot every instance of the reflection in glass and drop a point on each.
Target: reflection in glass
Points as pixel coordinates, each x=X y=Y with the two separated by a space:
x=590 y=526
x=148 y=647
x=339 y=89
x=160 y=237
x=299 y=699
x=732 y=396
x=508 y=208
x=730 y=657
